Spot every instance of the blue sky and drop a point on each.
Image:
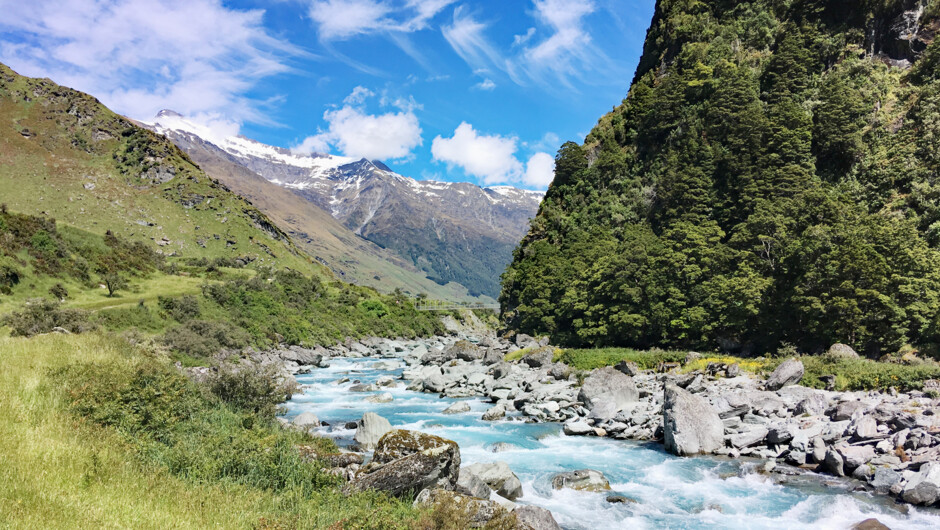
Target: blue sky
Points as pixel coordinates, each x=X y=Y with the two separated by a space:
x=481 y=91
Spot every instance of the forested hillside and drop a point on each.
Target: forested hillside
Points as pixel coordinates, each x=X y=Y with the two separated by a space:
x=771 y=177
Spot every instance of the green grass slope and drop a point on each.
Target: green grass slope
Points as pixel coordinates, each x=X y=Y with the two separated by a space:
x=66 y=156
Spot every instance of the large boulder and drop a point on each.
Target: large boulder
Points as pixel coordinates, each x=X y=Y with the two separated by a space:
x=841 y=351
x=474 y=513
x=608 y=384
x=535 y=518
x=498 y=476
x=406 y=462
x=690 y=425
x=399 y=443
x=465 y=351
x=437 y=467
x=924 y=487
x=370 y=429
x=581 y=480
x=539 y=357
x=493 y=356
x=788 y=373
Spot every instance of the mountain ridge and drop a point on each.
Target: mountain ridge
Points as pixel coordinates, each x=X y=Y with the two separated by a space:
x=454 y=232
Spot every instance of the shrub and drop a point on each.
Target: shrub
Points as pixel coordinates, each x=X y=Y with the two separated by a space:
x=9 y=275
x=41 y=315
x=256 y=389
x=374 y=308
x=202 y=338
x=181 y=309
x=59 y=292
x=173 y=423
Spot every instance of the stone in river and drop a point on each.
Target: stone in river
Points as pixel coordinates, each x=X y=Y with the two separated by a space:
x=370 y=429
x=581 y=480
x=498 y=476
x=690 y=425
x=457 y=408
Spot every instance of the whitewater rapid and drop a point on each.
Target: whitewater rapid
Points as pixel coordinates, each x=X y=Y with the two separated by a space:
x=670 y=492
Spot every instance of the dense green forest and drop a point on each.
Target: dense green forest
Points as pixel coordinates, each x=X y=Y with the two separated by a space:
x=771 y=177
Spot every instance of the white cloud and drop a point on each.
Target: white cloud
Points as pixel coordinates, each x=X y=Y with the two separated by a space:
x=569 y=48
x=539 y=171
x=489 y=158
x=519 y=40
x=486 y=84
x=358 y=134
x=358 y=96
x=139 y=56
x=343 y=19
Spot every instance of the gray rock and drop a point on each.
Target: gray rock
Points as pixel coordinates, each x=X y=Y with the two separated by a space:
x=607 y=384
x=498 y=476
x=690 y=425
x=399 y=443
x=753 y=436
x=384 y=397
x=864 y=428
x=500 y=447
x=560 y=371
x=833 y=462
x=306 y=420
x=924 y=487
x=465 y=351
x=370 y=429
x=535 y=518
x=581 y=480
x=814 y=405
x=494 y=413
x=501 y=369
x=627 y=367
x=363 y=388
x=884 y=478
x=472 y=485
x=854 y=456
x=790 y=372
x=845 y=410
x=577 y=428
x=457 y=408
x=539 y=357
x=841 y=351
x=493 y=356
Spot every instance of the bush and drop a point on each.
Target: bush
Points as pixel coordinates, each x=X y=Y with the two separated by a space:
x=171 y=422
x=202 y=338
x=59 y=292
x=589 y=359
x=181 y=309
x=256 y=389
x=41 y=315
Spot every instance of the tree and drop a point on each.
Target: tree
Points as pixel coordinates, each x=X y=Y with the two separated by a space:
x=113 y=282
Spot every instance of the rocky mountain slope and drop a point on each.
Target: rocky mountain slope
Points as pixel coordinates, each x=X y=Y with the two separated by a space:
x=454 y=232
x=770 y=178
x=64 y=155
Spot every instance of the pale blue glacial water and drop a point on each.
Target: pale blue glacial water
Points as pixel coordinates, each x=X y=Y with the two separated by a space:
x=671 y=492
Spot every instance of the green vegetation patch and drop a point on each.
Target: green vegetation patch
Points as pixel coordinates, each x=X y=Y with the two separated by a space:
x=589 y=359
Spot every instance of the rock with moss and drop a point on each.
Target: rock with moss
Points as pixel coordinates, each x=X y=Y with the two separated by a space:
x=399 y=443
x=463 y=510
x=581 y=480
x=436 y=467
x=539 y=357
x=841 y=351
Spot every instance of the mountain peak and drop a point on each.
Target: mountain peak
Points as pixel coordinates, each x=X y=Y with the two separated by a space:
x=167 y=113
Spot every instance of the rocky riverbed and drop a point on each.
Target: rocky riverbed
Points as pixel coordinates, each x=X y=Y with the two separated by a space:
x=885 y=444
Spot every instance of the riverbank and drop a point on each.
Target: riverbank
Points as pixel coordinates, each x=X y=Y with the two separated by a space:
x=881 y=442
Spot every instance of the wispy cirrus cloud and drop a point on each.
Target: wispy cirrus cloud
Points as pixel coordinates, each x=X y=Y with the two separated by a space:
x=138 y=56
x=343 y=19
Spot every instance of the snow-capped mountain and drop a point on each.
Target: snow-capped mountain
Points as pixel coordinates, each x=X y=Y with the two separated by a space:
x=453 y=231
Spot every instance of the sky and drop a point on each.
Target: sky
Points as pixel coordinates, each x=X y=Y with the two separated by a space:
x=481 y=91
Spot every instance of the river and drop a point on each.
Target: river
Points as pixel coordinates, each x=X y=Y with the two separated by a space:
x=670 y=492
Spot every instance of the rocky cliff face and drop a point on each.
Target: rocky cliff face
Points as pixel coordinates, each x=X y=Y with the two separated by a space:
x=454 y=232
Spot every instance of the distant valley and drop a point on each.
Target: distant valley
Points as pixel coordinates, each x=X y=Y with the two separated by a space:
x=454 y=233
